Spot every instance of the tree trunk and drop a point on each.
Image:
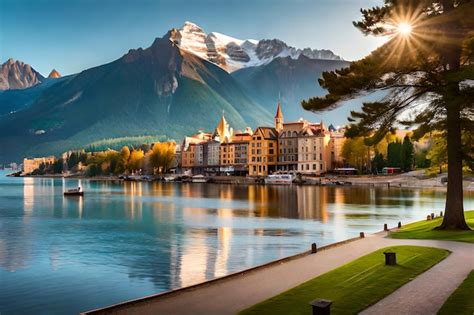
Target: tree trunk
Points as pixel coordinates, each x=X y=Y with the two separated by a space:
x=454 y=210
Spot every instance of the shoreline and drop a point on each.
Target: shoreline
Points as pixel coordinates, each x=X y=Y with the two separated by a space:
x=173 y=292
x=238 y=291
x=390 y=181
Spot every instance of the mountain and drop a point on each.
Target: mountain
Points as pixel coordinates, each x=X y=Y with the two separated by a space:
x=292 y=79
x=18 y=75
x=162 y=90
x=54 y=74
x=233 y=54
x=12 y=101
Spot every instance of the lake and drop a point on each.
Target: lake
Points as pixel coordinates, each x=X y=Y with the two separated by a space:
x=125 y=240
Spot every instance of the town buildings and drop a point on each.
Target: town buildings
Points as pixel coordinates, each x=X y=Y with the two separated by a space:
x=29 y=165
x=298 y=147
x=263 y=151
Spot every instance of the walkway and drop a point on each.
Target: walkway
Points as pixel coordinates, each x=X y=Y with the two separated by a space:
x=427 y=293
x=424 y=295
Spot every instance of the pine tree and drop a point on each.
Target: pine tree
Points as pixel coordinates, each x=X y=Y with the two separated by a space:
x=425 y=71
x=407 y=154
x=394 y=153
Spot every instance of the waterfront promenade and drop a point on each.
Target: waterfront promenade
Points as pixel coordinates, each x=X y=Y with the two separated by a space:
x=234 y=293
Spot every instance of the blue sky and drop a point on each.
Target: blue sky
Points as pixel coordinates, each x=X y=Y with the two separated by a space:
x=73 y=35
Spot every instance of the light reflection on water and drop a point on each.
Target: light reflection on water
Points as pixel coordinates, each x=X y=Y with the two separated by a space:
x=127 y=240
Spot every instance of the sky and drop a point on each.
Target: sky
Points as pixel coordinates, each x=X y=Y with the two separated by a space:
x=74 y=35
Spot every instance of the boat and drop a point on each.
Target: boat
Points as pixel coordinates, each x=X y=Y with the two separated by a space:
x=281 y=179
x=199 y=179
x=74 y=192
x=169 y=179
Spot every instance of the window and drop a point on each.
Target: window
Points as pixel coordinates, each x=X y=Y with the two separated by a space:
x=270 y=151
x=321 y=167
x=307 y=166
x=271 y=144
x=320 y=156
x=314 y=166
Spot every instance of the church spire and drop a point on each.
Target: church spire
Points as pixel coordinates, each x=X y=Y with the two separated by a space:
x=279 y=117
x=222 y=129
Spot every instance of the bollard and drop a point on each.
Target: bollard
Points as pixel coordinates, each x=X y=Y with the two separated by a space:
x=428 y=217
x=361 y=234
x=314 y=249
x=432 y=216
x=385 y=227
x=390 y=258
x=441 y=213
x=399 y=224
x=321 y=307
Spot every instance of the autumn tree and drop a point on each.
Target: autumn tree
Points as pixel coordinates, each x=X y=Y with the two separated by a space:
x=356 y=153
x=425 y=65
x=121 y=166
x=135 y=162
x=161 y=155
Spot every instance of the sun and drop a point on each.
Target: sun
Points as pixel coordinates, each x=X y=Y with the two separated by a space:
x=404 y=28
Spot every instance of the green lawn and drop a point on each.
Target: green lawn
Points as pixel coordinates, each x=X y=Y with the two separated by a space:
x=425 y=230
x=356 y=285
x=462 y=300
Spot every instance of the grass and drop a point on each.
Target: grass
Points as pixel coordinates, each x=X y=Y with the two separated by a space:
x=425 y=230
x=356 y=285
x=461 y=301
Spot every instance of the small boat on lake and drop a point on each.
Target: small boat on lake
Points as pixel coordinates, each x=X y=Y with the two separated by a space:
x=199 y=179
x=280 y=179
x=74 y=192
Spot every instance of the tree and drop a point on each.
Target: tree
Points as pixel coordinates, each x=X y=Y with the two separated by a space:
x=407 y=154
x=378 y=163
x=135 y=161
x=394 y=153
x=122 y=162
x=437 y=153
x=161 y=155
x=72 y=160
x=355 y=153
x=58 y=166
x=421 y=159
x=425 y=70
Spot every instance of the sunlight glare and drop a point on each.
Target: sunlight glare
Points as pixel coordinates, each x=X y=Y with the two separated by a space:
x=404 y=28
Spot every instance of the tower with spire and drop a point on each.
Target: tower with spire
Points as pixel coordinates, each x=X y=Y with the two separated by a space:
x=223 y=132
x=279 y=117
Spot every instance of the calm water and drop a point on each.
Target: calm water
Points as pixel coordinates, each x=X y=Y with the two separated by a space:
x=127 y=240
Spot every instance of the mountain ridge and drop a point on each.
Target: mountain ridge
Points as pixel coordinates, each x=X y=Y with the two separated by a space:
x=233 y=54
x=161 y=90
x=15 y=74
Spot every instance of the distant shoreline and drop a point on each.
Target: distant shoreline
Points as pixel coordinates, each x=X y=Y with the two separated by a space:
x=391 y=181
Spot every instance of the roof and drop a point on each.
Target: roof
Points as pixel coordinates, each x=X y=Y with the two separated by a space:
x=269 y=133
x=279 y=114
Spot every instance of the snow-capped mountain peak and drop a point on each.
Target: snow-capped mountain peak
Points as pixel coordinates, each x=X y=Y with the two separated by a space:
x=232 y=54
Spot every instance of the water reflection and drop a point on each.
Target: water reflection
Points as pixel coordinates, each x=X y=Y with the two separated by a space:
x=132 y=239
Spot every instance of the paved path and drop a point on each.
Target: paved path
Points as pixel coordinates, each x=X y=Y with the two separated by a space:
x=427 y=293
x=235 y=293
